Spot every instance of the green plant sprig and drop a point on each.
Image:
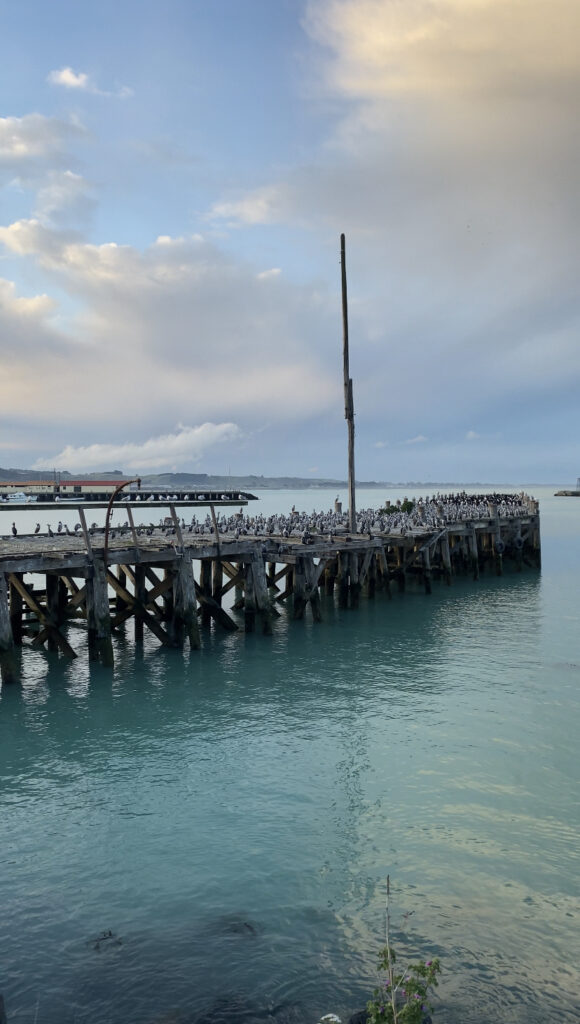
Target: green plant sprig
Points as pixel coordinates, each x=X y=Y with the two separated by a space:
x=403 y=997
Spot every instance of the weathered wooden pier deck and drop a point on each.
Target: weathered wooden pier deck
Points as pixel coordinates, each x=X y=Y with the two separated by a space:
x=148 y=575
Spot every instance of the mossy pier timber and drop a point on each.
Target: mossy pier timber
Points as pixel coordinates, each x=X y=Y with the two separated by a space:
x=100 y=583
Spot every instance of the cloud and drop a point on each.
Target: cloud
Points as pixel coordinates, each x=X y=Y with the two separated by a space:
x=184 y=447
x=265 y=274
x=65 y=200
x=35 y=308
x=33 y=142
x=159 y=331
x=451 y=167
x=419 y=439
x=80 y=81
x=70 y=79
x=472 y=435
x=388 y=48
x=264 y=205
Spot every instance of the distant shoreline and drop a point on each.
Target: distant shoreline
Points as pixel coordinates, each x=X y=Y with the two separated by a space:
x=254 y=482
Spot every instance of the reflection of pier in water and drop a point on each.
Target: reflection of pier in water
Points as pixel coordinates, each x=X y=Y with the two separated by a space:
x=148 y=575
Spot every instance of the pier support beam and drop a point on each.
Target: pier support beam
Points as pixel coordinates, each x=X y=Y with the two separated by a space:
x=313 y=573
x=8 y=663
x=140 y=598
x=299 y=588
x=330 y=576
x=217 y=580
x=446 y=558
x=343 y=579
x=52 y=607
x=262 y=599
x=427 y=570
x=205 y=588
x=16 y=607
x=474 y=554
x=122 y=577
x=184 y=618
x=99 y=616
x=354 y=579
x=498 y=549
x=249 y=599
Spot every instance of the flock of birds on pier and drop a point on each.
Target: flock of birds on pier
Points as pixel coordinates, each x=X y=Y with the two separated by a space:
x=429 y=513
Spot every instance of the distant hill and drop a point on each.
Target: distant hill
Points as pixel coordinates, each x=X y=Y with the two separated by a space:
x=44 y=474
x=252 y=482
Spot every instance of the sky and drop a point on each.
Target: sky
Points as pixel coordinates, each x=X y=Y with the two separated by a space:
x=174 y=180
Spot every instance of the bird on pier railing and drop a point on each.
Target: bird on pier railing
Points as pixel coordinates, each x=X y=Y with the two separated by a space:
x=49 y=530
x=14 y=530
x=67 y=531
x=37 y=530
x=77 y=527
x=59 y=527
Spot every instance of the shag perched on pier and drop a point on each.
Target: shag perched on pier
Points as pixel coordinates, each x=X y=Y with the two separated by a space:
x=14 y=530
x=50 y=530
x=37 y=530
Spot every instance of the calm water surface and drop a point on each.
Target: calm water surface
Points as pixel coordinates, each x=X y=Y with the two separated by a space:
x=232 y=814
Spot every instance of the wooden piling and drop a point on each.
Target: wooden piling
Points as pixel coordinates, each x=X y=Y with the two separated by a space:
x=446 y=558
x=343 y=579
x=217 y=580
x=205 y=588
x=184 y=624
x=353 y=571
x=474 y=554
x=313 y=574
x=140 y=598
x=427 y=570
x=299 y=588
x=16 y=609
x=8 y=666
x=249 y=598
x=261 y=596
x=98 y=616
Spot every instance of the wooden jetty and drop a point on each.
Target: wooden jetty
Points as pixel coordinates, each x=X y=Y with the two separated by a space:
x=175 y=583
x=36 y=496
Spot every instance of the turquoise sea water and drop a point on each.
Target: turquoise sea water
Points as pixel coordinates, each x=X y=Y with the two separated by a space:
x=232 y=814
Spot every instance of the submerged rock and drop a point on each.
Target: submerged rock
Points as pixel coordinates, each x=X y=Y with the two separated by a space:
x=107 y=937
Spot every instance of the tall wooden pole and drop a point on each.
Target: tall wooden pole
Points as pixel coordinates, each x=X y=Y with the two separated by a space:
x=348 y=401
